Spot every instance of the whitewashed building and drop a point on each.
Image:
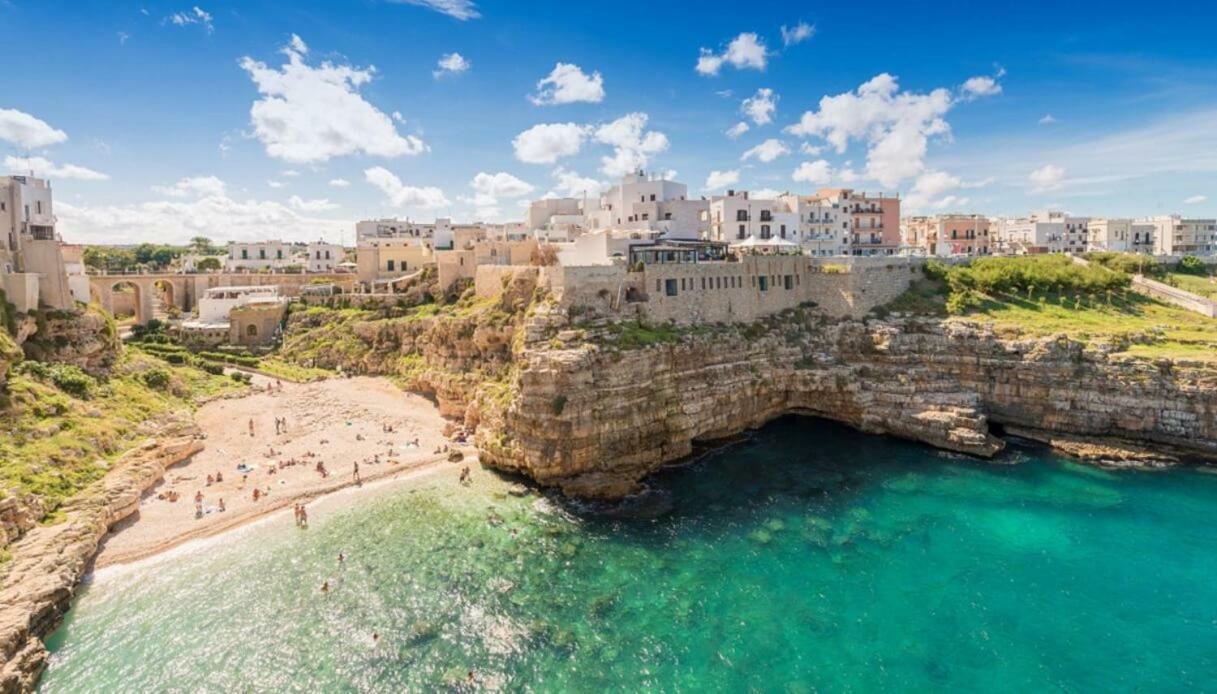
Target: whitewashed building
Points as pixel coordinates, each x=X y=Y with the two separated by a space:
x=1120 y=235
x=324 y=257
x=32 y=270
x=260 y=256
x=436 y=235
x=736 y=216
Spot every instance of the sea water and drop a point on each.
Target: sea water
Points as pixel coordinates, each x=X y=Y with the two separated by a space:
x=808 y=558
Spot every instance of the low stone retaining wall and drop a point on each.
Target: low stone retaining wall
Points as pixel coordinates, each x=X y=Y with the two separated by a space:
x=1174 y=295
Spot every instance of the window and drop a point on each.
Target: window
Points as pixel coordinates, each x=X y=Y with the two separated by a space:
x=279 y=254
x=764 y=283
x=765 y=231
x=389 y=265
x=789 y=281
x=244 y=254
x=783 y=231
x=741 y=232
x=652 y=197
x=251 y=330
x=670 y=287
x=262 y=253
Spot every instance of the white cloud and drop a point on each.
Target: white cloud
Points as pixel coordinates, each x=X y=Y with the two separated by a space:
x=457 y=9
x=738 y=129
x=339 y=183
x=761 y=106
x=632 y=142
x=568 y=184
x=815 y=172
x=490 y=187
x=745 y=51
x=810 y=149
x=45 y=167
x=316 y=205
x=192 y=186
x=976 y=87
x=548 y=142
x=176 y=221
x=451 y=64
x=26 y=131
x=895 y=125
x=1047 y=119
x=311 y=114
x=276 y=184
x=398 y=194
x=1046 y=178
x=929 y=189
x=1195 y=200
x=194 y=15
x=718 y=180
x=765 y=194
x=767 y=151
x=797 y=34
x=568 y=84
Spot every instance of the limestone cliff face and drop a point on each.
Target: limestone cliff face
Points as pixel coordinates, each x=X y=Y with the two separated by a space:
x=36 y=585
x=593 y=419
x=85 y=338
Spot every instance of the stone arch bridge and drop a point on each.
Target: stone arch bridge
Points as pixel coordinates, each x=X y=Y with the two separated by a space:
x=152 y=294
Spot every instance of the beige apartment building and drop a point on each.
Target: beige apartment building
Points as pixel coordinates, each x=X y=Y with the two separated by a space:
x=1174 y=235
x=949 y=235
x=32 y=269
x=874 y=220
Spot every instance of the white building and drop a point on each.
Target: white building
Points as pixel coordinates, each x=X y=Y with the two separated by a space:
x=437 y=235
x=324 y=257
x=1030 y=235
x=823 y=228
x=1174 y=235
x=32 y=270
x=1120 y=236
x=735 y=217
x=641 y=202
x=259 y=256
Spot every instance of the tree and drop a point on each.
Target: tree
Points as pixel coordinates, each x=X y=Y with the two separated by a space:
x=208 y=264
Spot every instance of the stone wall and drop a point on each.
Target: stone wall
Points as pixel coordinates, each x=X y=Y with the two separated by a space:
x=1174 y=295
x=733 y=292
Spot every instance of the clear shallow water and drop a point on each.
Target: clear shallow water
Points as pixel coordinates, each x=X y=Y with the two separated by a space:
x=809 y=558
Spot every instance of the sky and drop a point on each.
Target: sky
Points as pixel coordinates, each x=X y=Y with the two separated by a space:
x=159 y=121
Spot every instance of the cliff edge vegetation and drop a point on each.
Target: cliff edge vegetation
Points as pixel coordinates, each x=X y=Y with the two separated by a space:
x=1050 y=295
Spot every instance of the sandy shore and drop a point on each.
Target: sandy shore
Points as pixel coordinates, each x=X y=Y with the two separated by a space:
x=336 y=423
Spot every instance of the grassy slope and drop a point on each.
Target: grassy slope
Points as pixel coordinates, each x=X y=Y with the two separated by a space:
x=53 y=444
x=1167 y=331
x=1196 y=284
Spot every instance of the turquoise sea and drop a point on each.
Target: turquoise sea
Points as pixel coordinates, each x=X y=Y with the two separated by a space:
x=809 y=558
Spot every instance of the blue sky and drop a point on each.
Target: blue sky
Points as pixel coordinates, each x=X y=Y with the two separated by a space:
x=161 y=120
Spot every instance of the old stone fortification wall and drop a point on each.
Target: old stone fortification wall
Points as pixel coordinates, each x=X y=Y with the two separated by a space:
x=37 y=584
x=733 y=292
x=594 y=420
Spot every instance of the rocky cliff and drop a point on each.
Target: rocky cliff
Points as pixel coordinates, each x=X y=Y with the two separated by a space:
x=48 y=560
x=593 y=417
x=86 y=338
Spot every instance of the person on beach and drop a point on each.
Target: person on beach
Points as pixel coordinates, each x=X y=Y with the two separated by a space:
x=257 y=493
x=356 y=472
x=222 y=509
x=210 y=480
x=219 y=477
x=325 y=587
x=341 y=557
x=465 y=475
x=303 y=516
x=251 y=427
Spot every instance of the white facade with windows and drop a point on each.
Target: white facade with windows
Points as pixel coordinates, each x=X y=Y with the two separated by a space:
x=437 y=235
x=259 y=256
x=324 y=257
x=1174 y=235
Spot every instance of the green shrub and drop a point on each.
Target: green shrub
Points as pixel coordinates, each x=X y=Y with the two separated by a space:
x=156 y=379
x=213 y=369
x=1191 y=265
x=66 y=377
x=175 y=358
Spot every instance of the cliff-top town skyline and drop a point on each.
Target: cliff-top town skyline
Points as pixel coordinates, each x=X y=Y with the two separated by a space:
x=272 y=124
